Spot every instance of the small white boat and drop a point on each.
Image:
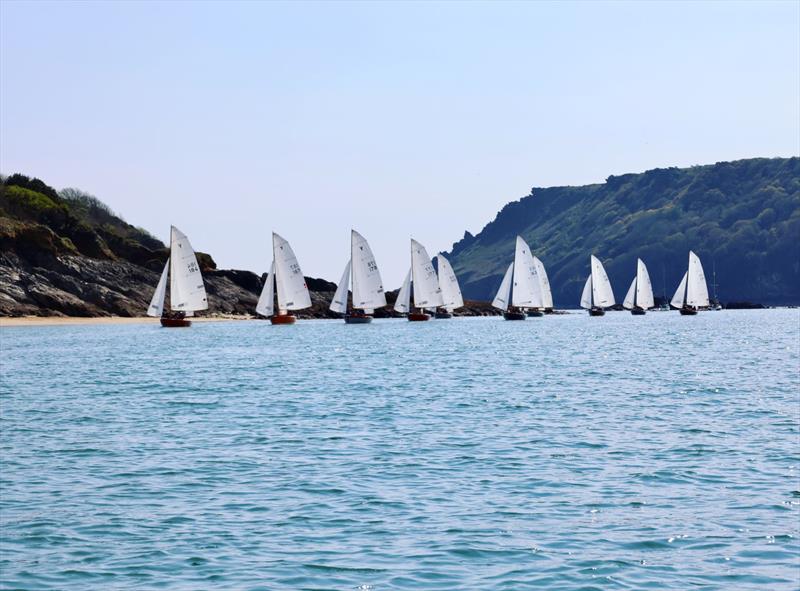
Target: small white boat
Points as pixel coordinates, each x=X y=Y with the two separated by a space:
x=523 y=275
x=639 y=298
x=597 y=293
x=187 y=292
x=692 y=293
x=544 y=282
x=451 y=291
x=367 y=285
x=285 y=273
x=424 y=283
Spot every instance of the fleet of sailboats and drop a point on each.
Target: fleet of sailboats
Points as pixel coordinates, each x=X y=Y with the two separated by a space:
x=692 y=293
x=285 y=275
x=639 y=298
x=597 y=293
x=367 y=286
x=187 y=293
x=524 y=290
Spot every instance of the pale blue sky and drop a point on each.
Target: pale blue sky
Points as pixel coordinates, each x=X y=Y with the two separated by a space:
x=397 y=119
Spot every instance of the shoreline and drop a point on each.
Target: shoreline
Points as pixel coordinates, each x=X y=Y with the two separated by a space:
x=16 y=321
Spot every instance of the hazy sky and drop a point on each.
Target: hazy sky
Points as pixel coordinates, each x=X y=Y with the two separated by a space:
x=397 y=119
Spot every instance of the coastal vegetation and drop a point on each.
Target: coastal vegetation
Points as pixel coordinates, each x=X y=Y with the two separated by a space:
x=742 y=218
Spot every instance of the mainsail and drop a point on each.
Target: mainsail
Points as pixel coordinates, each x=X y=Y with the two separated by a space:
x=501 y=299
x=527 y=289
x=186 y=291
x=427 y=293
x=602 y=295
x=451 y=292
x=696 y=288
x=644 y=288
x=368 y=291
x=544 y=283
x=292 y=291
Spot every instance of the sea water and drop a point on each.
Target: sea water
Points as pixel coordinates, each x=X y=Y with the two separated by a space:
x=564 y=452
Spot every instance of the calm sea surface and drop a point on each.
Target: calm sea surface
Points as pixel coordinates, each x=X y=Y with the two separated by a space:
x=565 y=452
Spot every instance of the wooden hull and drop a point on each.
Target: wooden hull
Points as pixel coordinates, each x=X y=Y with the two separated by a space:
x=357 y=319
x=175 y=322
x=637 y=311
x=514 y=315
x=283 y=319
x=418 y=316
x=548 y=310
x=535 y=313
x=688 y=312
x=443 y=314
x=597 y=312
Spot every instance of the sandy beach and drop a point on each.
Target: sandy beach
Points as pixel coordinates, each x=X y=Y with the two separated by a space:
x=72 y=320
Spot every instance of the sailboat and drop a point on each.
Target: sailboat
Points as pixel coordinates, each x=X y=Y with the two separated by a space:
x=451 y=292
x=285 y=273
x=366 y=283
x=523 y=275
x=187 y=293
x=424 y=283
x=692 y=293
x=544 y=288
x=597 y=293
x=640 y=294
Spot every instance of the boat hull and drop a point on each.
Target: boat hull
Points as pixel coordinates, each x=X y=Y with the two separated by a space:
x=283 y=319
x=357 y=319
x=637 y=311
x=535 y=313
x=514 y=315
x=443 y=314
x=418 y=316
x=548 y=310
x=597 y=312
x=688 y=312
x=175 y=322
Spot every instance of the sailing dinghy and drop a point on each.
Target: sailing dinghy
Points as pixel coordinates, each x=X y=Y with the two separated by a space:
x=423 y=282
x=187 y=293
x=544 y=284
x=523 y=275
x=639 y=298
x=692 y=293
x=451 y=292
x=367 y=285
x=286 y=275
x=597 y=293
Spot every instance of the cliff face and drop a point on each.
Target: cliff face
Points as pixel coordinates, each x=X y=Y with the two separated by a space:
x=742 y=218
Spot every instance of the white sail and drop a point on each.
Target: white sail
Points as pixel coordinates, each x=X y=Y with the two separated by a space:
x=292 y=291
x=644 y=288
x=157 y=303
x=448 y=282
x=602 y=295
x=501 y=299
x=586 y=295
x=630 y=298
x=368 y=291
x=186 y=289
x=403 y=303
x=427 y=293
x=266 y=301
x=680 y=294
x=544 y=284
x=339 y=302
x=527 y=290
x=696 y=287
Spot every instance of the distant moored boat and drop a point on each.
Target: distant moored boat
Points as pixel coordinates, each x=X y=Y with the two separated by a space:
x=367 y=286
x=692 y=293
x=187 y=293
x=597 y=293
x=286 y=274
x=639 y=298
